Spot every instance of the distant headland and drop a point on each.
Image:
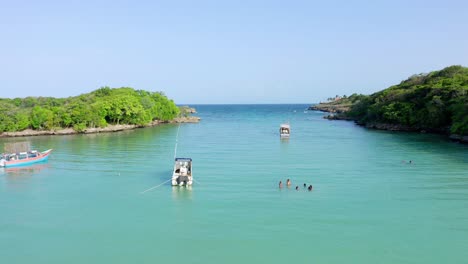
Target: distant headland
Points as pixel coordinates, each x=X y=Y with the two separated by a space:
x=436 y=102
x=103 y=110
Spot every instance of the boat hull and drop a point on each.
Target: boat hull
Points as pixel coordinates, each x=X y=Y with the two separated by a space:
x=181 y=180
x=27 y=161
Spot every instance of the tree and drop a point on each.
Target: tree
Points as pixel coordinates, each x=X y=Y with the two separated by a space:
x=41 y=118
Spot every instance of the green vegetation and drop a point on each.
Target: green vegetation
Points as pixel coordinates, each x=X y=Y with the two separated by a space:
x=96 y=109
x=436 y=102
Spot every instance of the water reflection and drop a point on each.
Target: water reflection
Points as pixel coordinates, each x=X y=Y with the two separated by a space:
x=182 y=193
x=24 y=171
x=284 y=144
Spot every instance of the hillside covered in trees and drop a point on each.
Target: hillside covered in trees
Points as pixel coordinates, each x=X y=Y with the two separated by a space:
x=434 y=102
x=96 y=109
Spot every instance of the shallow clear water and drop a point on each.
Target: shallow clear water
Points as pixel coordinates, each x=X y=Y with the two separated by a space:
x=367 y=206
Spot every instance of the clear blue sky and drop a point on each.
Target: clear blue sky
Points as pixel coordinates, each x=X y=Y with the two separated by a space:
x=226 y=51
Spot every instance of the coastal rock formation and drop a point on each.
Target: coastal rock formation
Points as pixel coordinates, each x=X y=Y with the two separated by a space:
x=331 y=107
x=192 y=110
x=337 y=117
x=30 y=132
x=463 y=139
x=390 y=127
x=186 y=119
x=109 y=128
x=187 y=110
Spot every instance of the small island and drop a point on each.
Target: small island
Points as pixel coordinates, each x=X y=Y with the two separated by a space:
x=103 y=110
x=436 y=102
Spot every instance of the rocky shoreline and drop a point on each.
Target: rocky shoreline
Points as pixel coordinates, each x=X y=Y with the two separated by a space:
x=332 y=107
x=337 y=113
x=109 y=128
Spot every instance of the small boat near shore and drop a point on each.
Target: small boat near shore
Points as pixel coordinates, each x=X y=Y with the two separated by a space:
x=23 y=158
x=285 y=130
x=182 y=173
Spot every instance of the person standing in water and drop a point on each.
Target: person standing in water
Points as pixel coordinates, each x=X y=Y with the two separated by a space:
x=288 y=183
x=281 y=184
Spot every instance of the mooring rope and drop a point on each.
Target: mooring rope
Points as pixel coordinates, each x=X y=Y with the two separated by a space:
x=196 y=181
x=176 y=141
x=154 y=187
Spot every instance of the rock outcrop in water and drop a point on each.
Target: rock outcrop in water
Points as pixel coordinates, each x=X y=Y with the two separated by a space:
x=331 y=107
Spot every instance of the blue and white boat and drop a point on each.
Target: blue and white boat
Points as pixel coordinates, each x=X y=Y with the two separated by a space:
x=23 y=158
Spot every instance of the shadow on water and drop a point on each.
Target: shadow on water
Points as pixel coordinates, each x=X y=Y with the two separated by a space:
x=417 y=143
x=409 y=144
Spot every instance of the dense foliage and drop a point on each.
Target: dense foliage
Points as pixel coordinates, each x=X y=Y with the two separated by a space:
x=436 y=102
x=96 y=109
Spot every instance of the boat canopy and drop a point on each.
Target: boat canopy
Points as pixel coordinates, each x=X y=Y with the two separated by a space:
x=17 y=147
x=183 y=159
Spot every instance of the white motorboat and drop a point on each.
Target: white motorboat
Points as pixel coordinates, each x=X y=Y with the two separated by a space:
x=182 y=174
x=285 y=130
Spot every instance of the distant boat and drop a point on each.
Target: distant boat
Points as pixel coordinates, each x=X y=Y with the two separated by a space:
x=23 y=158
x=182 y=173
x=285 y=130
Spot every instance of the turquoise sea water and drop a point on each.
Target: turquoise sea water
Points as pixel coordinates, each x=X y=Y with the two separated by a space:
x=367 y=206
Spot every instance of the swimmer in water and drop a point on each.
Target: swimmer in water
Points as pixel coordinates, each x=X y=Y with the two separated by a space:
x=305 y=185
x=288 y=183
x=281 y=184
x=297 y=188
x=310 y=187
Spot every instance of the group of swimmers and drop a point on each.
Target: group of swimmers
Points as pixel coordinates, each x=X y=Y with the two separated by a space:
x=288 y=184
